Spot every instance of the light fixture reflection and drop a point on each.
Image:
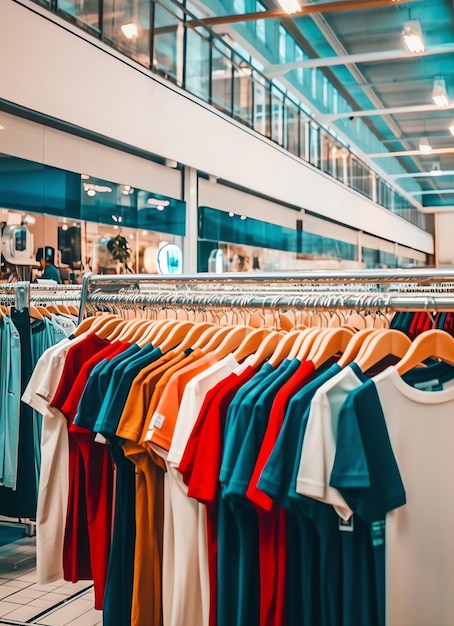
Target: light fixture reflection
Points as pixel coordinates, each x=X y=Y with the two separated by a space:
x=439 y=93
x=290 y=6
x=451 y=128
x=412 y=36
x=424 y=146
x=130 y=31
x=436 y=170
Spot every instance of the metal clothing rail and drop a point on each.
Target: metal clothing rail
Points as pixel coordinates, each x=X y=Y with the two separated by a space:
x=22 y=293
x=379 y=289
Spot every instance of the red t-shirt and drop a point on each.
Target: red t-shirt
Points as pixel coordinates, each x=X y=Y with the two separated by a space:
x=201 y=463
x=271 y=519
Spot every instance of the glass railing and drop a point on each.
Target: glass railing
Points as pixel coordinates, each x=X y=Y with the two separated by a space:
x=169 y=40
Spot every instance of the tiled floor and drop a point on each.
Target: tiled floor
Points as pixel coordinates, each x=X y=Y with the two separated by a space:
x=23 y=601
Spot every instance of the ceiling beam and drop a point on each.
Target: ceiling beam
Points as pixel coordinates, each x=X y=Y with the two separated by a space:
x=430 y=192
x=411 y=108
x=365 y=57
x=400 y=153
x=424 y=174
x=306 y=9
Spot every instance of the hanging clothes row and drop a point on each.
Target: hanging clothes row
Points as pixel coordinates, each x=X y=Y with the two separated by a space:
x=24 y=335
x=248 y=487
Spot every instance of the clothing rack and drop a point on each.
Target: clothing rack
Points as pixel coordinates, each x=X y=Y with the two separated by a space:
x=392 y=290
x=22 y=294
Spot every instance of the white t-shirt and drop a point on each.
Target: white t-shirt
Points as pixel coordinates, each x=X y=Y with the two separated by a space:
x=185 y=584
x=53 y=481
x=420 y=535
x=319 y=444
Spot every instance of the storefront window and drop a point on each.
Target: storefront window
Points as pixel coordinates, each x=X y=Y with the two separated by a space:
x=80 y=217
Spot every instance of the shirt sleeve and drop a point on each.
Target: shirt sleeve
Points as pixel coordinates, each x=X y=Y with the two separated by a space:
x=365 y=469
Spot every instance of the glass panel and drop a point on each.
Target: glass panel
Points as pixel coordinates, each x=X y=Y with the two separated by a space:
x=197 y=64
x=221 y=77
x=360 y=177
x=167 y=41
x=326 y=147
x=127 y=27
x=314 y=140
x=262 y=122
x=292 y=143
x=242 y=92
x=277 y=101
x=304 y=138
x=85 y=14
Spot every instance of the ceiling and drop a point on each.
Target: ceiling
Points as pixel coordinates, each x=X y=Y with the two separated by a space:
x=358 y=45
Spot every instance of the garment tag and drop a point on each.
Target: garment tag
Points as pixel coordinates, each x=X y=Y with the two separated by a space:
x=378 y=533
x=157 y=420
x=429 y=385
x=100 y=438
x=346 y=525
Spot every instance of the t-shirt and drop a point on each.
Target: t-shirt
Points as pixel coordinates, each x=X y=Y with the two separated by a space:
x=201 y=462
x=185 y=557
x=386 y=430
x=53 y=483
x=271 y=519
x=236 y=470
x=312 y=592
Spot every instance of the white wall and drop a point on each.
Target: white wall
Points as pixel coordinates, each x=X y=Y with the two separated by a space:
x=47 y=66
x=444 y=234
x=35 y=142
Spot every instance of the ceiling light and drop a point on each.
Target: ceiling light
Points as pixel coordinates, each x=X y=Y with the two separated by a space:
x=290 y=6
x=412 y=36
x=158 y=202
x=451 y=128
x=439 y=93
x=424 y=146
x=160 y=207
x=2 y=127
x=130 y=30
x=436 y=170
x=91 y=192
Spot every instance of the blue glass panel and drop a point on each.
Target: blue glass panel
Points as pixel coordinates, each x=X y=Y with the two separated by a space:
x=29 y=186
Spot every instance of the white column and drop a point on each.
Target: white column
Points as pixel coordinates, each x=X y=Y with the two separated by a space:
x=190 y=196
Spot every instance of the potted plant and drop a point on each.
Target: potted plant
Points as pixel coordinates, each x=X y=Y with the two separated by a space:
x=120 y=251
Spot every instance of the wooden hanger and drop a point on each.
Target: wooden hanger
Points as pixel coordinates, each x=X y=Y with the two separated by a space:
x=214 y=340
x=283 y=347
x=356 y=319
x=197 y=333
x=266 y=348
x=35 y=313
x=44 y=311
x=383 y=343
x=306 y=345
x=231 y=341
x=118 y=329
x=95 y=321
x=175 y=336
x=354 y=346
x=106 y=328
x=251 y=343
x=433 y=343
x=334 y=342
x=152 y=335
x=73 y=309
